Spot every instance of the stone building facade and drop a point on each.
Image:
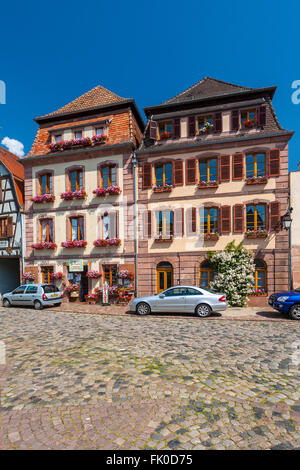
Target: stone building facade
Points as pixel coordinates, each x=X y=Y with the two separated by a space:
x=213 y=167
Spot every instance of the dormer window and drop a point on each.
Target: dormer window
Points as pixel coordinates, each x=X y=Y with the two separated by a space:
x=165 y=129
x=78 y=134
x=248 y=119
x=205 y=125
x=99 y=131
x=57 y=138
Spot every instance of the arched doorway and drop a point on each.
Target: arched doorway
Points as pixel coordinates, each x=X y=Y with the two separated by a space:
x=164 y=276
x=206 y=274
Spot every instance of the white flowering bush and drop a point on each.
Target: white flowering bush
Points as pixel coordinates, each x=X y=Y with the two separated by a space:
x=234 y=268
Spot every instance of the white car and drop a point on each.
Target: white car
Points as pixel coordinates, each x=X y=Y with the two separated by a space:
x=35 y=295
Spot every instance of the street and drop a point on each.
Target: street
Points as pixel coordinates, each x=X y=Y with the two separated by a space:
x=80 y=381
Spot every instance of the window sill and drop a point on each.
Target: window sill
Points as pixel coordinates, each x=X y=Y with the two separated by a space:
x=44 y=246
x=74 y=244
x=163 y=189
x=257 y=180
x=208 y=185
x=109 y=243
x=69 y=195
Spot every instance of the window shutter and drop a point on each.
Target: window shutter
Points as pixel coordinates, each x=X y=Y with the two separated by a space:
x=153 y=130
x=235 y=121
x=191 y=126
x=238 y=166
x=218 y=122
x=179 y=222
x=191 y=224
x=147 y=175
x=274 y=162
x=178 y=173
x=274 y=215
x=147 y=224
x=238 y=218
x=117 y=223
x=10 y=227
x=224 y=167
x=261 y=116
x=225 y=219
x=0 y=189
x=112 y=225
x=191 y=171
x=177 y=132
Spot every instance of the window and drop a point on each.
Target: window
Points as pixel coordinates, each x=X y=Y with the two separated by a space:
x=165 y=129
x=57 y=138
x=100 y=131
x=110 y=275
x=165 y=223
x=45 y=184
x=77 y=231
x=190 y=291
x=6 y=227
x=19 y=290
x=49 y=289
x=47 y=230
x=205 y=122
x=206 y=275
x=78 y=134
x=255 y=165
x=109 y=225
x=209 y=220
x=175 y=292
x=76 y=180
x=46 y=273
x=108 y=176
x=163 y=174
x=248 y=119
x=31 y=290
x=208 y=170
x=260 y=276
x=256 y=217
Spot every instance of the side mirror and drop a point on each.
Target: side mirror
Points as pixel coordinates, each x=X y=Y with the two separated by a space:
x=162 y=296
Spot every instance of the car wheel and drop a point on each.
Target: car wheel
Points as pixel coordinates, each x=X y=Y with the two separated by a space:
x=203 y=310
x=143 y=309
x=6 y=303
x=294 y=312
x=38 y=305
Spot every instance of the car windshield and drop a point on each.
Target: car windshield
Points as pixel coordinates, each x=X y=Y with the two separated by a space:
x=49 y=288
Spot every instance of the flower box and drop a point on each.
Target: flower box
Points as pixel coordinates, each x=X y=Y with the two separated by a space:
x=43 y=198
x=257 y=180
x=44 y=246
x=93 y=274
x=250 y=123
x=211 y=236
x=167 y=188
x=165 y=135
x=99 y=139
x=113 y=190
x=207 y=184
x=259 y=293
x=101 y=243
x=100 y=192
x=257 y=234
x=74 y=244
x=28 y=276
x=125 y=274
x=84 y=142
x=80 y=194
x=56 y=276
x=163 y=239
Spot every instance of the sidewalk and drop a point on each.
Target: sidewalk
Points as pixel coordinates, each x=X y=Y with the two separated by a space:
x=233 y=313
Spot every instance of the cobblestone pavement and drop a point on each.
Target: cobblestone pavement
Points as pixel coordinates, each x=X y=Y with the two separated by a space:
x=128 y=382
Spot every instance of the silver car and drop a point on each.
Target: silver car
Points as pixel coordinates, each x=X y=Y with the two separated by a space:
x=189 y=299
x=36 y=295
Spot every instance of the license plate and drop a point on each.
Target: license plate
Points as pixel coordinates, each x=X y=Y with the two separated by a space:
x=54 y=295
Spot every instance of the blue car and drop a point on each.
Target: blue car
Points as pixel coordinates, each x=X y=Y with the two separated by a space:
x=287 y=302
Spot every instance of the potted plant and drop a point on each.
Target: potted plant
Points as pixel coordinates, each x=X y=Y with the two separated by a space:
x=165 y=135
x=93 y=274
x=74 y=244
x=166 y=188
x=101 y=243
x=208 y=184
x=78 y=194
x=44 y=246
x=28 y=276
x=257 y=234
x=250 y=123
x=56 y=276
x=91 y=298
x=100 y=192
x=113 y=190
x=99 y=139
x=257 y=179
x=163 y=238
x=43 y=198
x=211 y=236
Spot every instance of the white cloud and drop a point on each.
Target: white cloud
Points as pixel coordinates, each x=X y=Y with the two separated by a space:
x=14 y=146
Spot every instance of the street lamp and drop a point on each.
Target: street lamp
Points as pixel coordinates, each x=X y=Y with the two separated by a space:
x=286 y=223
x=286 y=220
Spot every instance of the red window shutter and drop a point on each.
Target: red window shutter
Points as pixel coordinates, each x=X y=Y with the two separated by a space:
x=235 y=120
x=274 y=216
x=274 y=162
x=224 y=167
x=191 y=126
x=218 y=122
x=225 y=219
x=147 y=224
x=178 y=172
x=261 y=116
x=147 y=175
x=177 y=132
x=179 y=222
x=153 y=130
x=191 y=224
x=9 y=227
x=238 y=218
x=238 y=166
x=191 y=171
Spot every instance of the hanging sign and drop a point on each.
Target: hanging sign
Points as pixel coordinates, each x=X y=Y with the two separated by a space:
x=75 y=265
x=105 y=293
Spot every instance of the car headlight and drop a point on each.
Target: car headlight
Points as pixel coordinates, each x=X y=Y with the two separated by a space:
x=283 y=298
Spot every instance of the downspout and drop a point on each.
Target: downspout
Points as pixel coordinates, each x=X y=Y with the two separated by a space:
x=135 y=221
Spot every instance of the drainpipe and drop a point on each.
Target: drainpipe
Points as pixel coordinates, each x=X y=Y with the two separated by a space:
x=134 y=162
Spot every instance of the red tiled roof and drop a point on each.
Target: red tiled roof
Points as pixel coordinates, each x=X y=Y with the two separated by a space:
x=98 y=96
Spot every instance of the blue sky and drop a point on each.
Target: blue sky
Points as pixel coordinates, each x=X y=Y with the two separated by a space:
x=51 y=53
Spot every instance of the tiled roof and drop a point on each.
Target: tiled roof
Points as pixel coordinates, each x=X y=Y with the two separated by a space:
x=98 y=96
x=206 y=88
